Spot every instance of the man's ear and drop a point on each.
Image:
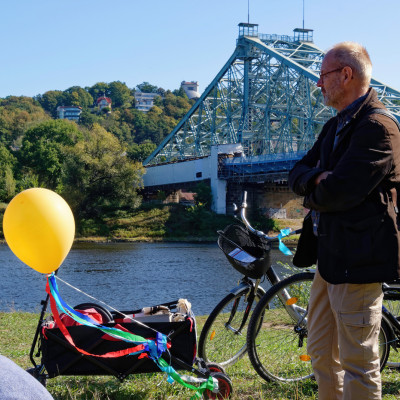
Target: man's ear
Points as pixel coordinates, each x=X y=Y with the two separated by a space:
x=348 y=74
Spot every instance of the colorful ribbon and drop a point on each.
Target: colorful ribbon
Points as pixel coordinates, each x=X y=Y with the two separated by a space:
x=282 y=246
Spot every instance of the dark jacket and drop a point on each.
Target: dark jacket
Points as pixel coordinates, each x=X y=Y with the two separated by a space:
x=358 y=234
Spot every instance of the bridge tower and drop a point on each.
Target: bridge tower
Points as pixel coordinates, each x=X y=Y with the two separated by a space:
x=264 y=100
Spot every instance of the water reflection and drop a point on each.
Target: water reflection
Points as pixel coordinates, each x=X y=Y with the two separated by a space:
x=125 y=276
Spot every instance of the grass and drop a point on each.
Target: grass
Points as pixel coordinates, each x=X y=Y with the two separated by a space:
x=16 y=335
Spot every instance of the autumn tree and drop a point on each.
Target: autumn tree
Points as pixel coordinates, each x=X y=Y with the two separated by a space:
x=16 y=114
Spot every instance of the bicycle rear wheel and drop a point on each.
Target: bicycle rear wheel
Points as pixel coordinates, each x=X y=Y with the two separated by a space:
x=277 y=332
x=391 y=300
x=222 y=340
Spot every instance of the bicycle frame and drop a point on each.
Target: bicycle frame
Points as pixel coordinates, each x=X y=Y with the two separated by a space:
x=253 y=286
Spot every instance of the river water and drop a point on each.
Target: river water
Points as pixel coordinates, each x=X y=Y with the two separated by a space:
x=126 y=276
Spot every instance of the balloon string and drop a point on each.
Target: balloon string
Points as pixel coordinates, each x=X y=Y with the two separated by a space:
x=107 y=305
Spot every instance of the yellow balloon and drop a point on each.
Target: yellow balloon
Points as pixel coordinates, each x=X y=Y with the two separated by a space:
x=39 y=228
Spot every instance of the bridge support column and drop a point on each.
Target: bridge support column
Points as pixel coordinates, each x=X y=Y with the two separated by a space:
x=219 y=186
x=218 y=190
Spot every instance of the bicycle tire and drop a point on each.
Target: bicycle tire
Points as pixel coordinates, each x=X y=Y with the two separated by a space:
x=221 y=344
x=384 y=339
x=254 y=328
x=277 y=341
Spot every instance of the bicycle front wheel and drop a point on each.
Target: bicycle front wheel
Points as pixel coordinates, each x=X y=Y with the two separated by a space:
x=277 y=333
x=223 y=337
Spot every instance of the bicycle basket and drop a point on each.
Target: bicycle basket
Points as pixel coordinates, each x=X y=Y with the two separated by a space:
x=247 y=253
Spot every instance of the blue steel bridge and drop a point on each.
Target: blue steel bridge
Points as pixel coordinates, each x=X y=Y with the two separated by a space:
x=263 y=108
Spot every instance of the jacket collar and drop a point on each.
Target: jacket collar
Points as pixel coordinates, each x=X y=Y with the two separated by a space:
x=370 y=102
x=367 y=104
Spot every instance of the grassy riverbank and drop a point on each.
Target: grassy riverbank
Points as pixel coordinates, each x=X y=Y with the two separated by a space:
x=171 y=222
x=16 y=335
x=163 y=222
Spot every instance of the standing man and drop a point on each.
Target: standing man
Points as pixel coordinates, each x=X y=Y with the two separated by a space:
x=348 y=181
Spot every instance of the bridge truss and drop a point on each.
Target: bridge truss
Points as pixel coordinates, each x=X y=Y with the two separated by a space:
x=265 y=97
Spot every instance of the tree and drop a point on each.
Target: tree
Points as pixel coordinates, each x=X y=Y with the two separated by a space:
x=146 y=87
x=120 y=94
x=99 y=89
x=87 y=118
x=139 y=152
x=7 y=180
x=76 y=96
x=43 y=149
x=51 y=100
x=203 y=195
x=98 y=176
x=16 y=113
x=176 y=106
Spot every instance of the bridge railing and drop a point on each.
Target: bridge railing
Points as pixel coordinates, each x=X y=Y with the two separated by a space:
x=272 y=37
x=259 y=167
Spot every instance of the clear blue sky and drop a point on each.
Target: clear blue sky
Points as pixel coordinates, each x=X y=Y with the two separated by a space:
x=53 y=45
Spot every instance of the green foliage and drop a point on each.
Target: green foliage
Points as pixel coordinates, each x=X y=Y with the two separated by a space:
x=28 y=180
x=120 y=94
x=88 y=118
x=139 y=152
x=261 y=222
x=203 y=195
x=146 y=87
x=76 y=96
x=95 y=162
x=156 y=222
x=176 y=105
x=195 y=222
x=99 y=89
x=161 y=195
x=16 y=115
x=43 y=149
x=128 y=124
x=98 y=176
x=51 y=100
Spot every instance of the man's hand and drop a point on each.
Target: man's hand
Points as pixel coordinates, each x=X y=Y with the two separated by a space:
x=322 y=176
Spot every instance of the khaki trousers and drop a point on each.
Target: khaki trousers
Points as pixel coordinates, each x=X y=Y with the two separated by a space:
x=343 y=329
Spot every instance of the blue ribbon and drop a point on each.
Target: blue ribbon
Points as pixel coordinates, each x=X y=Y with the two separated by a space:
x=282 y=246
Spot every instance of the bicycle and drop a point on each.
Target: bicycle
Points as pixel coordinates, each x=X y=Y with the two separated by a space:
x=224 y=335
x=277 y=331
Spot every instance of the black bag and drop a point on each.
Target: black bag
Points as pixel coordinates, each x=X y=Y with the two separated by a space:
x=307 y=247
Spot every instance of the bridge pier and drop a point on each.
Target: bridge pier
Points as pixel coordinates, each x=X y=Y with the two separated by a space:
x=272 y=199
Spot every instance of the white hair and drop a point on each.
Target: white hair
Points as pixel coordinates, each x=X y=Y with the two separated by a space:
x=356 y=57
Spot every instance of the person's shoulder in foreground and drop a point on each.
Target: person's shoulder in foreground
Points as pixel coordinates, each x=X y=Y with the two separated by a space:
x=17 y=384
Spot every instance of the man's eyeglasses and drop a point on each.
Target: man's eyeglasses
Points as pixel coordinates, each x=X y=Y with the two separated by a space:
x=321 y=76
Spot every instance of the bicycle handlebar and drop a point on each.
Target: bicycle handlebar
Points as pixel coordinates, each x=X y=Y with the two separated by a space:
x=260 y=234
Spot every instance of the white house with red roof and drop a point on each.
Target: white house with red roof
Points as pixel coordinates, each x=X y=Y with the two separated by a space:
x=102 y=102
